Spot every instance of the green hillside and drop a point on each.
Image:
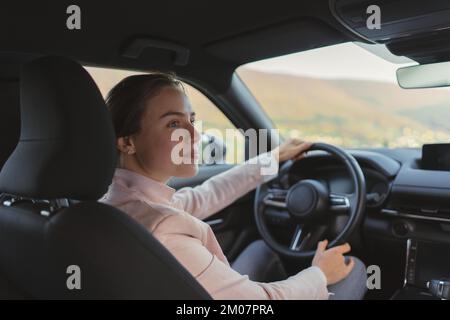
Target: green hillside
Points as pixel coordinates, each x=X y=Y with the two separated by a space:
x=352 y=113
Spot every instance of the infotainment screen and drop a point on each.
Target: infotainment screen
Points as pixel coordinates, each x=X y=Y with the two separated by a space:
x=436 y=156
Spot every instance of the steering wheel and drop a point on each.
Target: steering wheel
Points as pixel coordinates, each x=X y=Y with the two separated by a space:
x=310 y=207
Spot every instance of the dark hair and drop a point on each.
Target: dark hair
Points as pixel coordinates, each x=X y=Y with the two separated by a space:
x=128 y=99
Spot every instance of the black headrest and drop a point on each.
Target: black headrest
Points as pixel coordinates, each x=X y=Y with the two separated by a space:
x=66 y=147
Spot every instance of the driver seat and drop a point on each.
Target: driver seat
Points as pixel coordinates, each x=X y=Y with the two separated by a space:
x=51 y=248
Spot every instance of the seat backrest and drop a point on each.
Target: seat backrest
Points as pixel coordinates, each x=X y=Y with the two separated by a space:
x=9 y=136
x=66 y=150
x=9 y=117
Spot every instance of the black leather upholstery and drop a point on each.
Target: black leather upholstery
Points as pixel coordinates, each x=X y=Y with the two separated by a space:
x=9 y=136
x=63 y=134
x=9 y=118
x=118 y=258
x=66 y=150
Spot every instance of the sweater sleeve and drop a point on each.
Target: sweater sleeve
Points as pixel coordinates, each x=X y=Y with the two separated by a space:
x=223 y=189
x=222 y=282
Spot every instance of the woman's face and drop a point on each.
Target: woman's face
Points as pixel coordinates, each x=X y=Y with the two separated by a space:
x=168 y=115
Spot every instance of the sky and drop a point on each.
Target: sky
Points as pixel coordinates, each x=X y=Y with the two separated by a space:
x=342 y=61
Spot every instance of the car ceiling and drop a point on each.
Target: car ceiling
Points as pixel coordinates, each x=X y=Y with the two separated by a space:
x=219 y=35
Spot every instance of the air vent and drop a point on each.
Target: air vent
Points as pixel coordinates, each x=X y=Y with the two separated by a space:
x=429 y=213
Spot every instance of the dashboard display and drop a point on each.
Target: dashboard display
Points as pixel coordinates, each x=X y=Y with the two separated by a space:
x=436 y=156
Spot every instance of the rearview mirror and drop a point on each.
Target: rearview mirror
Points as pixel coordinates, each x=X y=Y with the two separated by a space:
x=432 y=75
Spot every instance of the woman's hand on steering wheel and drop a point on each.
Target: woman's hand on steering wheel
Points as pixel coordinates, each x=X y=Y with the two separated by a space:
x=292 y=149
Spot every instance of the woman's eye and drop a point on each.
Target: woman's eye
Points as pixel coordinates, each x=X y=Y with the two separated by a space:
x=173 y=124
x=176 y=123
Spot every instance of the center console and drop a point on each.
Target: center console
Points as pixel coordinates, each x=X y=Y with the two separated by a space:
x=427 y=271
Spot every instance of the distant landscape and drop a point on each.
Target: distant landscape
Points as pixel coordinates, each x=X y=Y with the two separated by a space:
x=348 y=113
x=352 y=113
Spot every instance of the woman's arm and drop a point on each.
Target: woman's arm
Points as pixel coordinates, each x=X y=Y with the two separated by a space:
x=220 y=191
x=222 y=282
x=223 y=189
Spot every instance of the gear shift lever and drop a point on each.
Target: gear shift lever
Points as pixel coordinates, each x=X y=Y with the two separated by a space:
x=439 y=288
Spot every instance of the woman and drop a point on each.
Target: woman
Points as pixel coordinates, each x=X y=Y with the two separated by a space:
x=146 y=109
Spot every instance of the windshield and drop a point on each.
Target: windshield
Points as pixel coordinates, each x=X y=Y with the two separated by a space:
x=347 y=96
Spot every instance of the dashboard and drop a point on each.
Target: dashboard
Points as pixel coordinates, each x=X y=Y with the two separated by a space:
x=406 y=225
x=379 y=172
x=334 y=175
x=404 y=195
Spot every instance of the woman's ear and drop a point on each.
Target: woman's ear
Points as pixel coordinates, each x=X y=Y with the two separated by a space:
x=125 y=145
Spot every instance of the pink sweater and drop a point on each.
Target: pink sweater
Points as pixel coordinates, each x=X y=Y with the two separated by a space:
x=175 y=219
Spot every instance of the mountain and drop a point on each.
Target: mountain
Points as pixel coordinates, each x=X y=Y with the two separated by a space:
x=351 y=112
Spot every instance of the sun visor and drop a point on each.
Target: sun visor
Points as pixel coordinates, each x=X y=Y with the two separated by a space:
x=275 y=40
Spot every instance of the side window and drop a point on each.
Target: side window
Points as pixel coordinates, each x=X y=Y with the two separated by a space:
x=218 y=133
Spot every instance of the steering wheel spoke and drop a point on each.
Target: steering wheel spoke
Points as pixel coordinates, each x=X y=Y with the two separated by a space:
x=299 y=238
x=275 y=216
x=275 y=207
x=306 y=236
x=340 y=202
x=275 y=198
